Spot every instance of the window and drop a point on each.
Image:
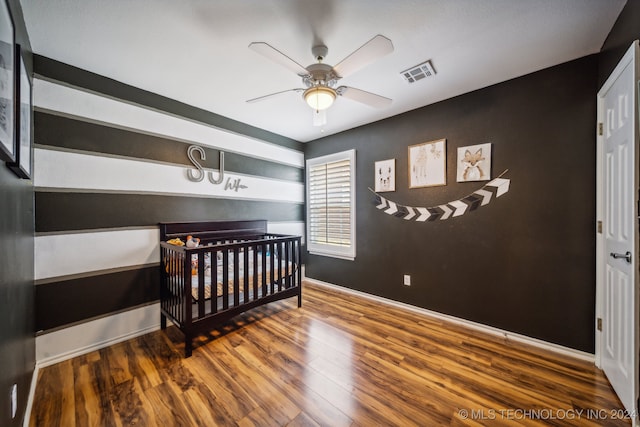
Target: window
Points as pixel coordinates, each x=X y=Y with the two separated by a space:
x=331 y=200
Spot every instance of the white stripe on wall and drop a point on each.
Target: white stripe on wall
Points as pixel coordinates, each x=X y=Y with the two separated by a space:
x=74 y=102
x=65 y=254
x=292 y=228
x=90 y=336
x=68 y=170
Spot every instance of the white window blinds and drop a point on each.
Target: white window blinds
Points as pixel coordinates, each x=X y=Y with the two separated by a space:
x=331 y=205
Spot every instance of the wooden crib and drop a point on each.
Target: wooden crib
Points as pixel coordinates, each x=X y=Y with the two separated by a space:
x=236 y=267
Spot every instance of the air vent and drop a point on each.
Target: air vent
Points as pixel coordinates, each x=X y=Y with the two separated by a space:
x=418 y=72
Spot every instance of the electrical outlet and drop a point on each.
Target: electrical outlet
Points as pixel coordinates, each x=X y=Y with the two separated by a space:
x=14 y=400
x=407 y=280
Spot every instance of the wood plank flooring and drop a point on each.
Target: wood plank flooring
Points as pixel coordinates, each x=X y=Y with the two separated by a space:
x=340 y=360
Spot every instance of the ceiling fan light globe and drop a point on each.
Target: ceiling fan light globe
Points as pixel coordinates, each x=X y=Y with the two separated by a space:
x=319 y=97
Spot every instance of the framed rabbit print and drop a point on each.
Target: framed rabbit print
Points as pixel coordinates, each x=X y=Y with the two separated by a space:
x=428 y=164
x=474 y=163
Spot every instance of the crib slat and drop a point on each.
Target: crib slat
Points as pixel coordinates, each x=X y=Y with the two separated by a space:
x=164 y=284
x=288 y=245
x=176 y=287
x=280 y=261
x=272 y=267
x=245 y=279
x=214 y=281
x=264 y=268
x=200 y=285
x=255 y=271
x=180 y=290
x=299 y=267
x=236 y=278
x=170 y=284
x=170 y=273
x=185 y=300
x=275 y=254
x=225 y=280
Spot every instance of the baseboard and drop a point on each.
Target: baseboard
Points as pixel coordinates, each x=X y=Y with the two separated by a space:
x=32 y=392
x=86 y=337
x=463 y=322
x=97 y=346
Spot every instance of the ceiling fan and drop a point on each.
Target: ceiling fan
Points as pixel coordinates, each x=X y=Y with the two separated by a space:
x=320 y=79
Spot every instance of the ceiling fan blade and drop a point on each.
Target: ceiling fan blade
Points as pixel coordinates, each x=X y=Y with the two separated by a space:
x=368 y=98
x=278 y=57
x=375 y=48
x=262 y=98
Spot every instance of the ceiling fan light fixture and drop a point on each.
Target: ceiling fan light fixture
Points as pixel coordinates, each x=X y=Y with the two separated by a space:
x=319 y=97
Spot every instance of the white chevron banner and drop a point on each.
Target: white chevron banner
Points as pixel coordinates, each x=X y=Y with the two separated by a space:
x=424 y=214
x=482 y=197
x=383 y=203
x=447 y=211
x=486 y=196
x=411 y=213
x=392 y=208
x=501 y=184
x=460 y=207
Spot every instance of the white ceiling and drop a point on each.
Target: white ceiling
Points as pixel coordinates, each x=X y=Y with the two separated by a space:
x=196 y=51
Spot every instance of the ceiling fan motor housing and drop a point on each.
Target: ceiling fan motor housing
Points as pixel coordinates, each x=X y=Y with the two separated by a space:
x=320 y=74
x=319 y=52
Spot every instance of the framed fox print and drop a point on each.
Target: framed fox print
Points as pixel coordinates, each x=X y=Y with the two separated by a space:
x=474 y=163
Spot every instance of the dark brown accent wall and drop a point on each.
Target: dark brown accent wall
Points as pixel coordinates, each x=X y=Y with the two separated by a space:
x=524 y=263
x=17 y=344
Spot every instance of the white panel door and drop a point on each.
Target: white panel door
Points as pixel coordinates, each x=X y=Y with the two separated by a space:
x=619 y=341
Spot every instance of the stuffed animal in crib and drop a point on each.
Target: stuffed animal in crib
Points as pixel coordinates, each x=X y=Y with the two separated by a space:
x=194 y=266
x=176 y=242
x=192 y=242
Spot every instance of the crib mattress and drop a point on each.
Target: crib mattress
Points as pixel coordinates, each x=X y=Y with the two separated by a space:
x=230 y=274
x=220 y=286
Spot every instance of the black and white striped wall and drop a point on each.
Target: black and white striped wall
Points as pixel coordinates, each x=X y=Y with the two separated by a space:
x=110 y=163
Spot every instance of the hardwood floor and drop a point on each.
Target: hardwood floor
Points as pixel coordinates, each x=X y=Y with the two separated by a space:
x=340 y=360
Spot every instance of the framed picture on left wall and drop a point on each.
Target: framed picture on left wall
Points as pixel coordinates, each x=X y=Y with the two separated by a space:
x=24 y=147
x=385 y=175
x=7 y=92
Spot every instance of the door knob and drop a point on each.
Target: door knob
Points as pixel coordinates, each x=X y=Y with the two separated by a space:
x=626 y=256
